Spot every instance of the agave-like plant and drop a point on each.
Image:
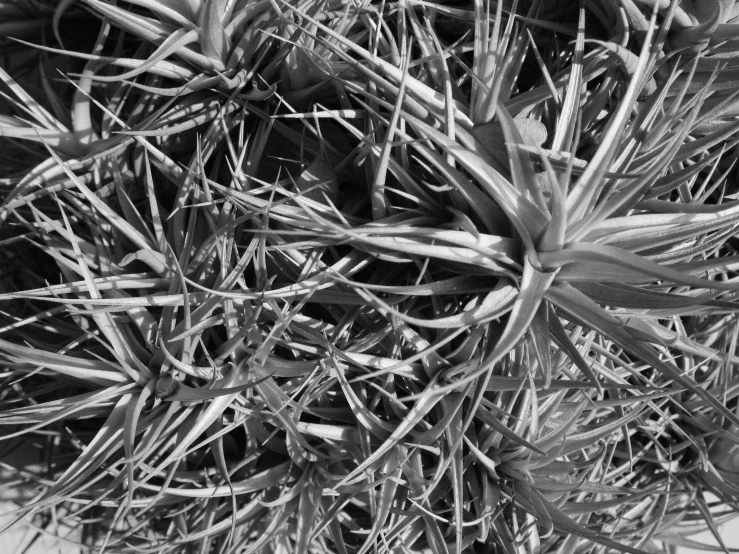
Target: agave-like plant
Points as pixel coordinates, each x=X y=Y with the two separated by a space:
x=459 y=285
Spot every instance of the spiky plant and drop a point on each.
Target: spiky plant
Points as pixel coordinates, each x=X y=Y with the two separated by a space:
x=222 y=44
x=459 y=284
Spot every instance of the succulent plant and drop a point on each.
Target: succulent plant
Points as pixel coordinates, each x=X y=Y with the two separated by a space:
x=455 y=282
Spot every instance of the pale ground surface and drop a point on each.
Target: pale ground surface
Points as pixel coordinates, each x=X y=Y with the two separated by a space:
x=23 y=540
x=729 y=532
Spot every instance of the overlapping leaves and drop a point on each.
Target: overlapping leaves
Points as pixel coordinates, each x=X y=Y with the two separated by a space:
x=409 y=303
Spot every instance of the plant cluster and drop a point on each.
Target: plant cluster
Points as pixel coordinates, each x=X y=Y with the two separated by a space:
x=370 y=276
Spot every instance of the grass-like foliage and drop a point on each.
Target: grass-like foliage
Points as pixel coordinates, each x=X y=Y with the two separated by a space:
x=363 y=276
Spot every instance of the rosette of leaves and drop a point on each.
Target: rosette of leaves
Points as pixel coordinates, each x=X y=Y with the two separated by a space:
x=482 y=299
x=47 y=115
x=223 y=44
x=562 y=245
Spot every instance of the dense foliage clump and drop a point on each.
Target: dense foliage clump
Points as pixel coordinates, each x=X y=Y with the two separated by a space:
x=327 y=276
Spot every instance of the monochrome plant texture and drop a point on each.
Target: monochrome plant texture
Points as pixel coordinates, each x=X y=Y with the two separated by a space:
x=366 y=276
